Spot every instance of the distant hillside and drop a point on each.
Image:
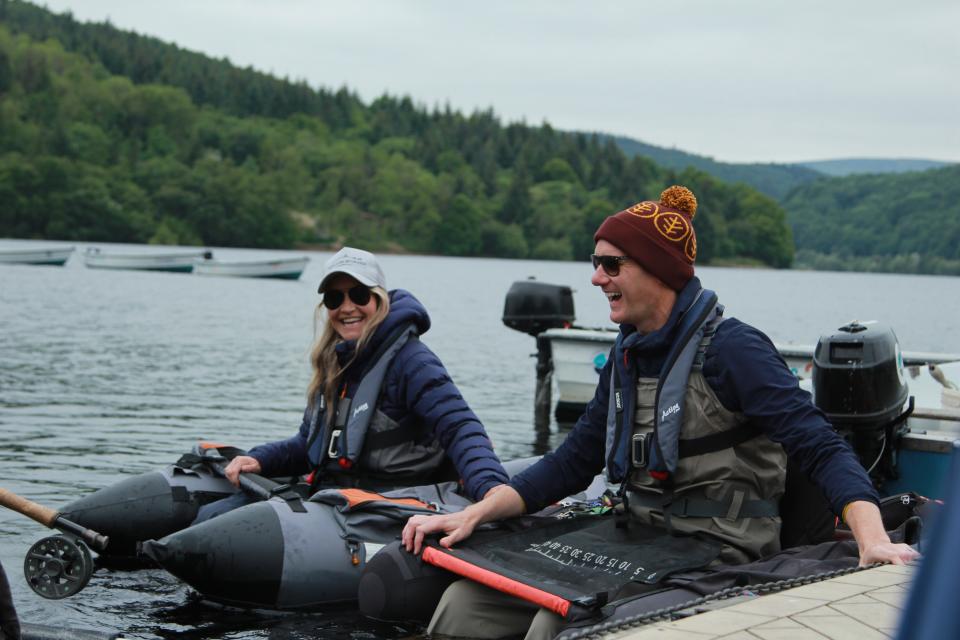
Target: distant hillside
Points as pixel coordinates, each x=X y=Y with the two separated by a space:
x=851 y=166
x=907 y=223
x=112 y=136
x=775 y=180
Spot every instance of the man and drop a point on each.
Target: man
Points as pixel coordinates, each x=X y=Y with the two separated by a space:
x=694 y=414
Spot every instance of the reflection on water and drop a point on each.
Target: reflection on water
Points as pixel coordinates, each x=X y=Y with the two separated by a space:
x=110 y=373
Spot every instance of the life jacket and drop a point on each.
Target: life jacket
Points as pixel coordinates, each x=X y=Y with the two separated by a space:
x=723 y=476
x=661 y=453
x=361 y=440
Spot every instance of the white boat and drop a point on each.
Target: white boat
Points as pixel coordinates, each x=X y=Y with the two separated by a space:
x=579 y=354
x=285 y=268
x=931 y=413
x=182 y=261
x=55 y=256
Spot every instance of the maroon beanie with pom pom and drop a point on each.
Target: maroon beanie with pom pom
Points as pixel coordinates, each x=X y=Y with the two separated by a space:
x=658 y=235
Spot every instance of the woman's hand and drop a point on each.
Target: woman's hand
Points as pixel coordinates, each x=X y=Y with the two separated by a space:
x=240 y=464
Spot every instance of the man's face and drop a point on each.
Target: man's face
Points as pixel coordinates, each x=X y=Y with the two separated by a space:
x=632 y=293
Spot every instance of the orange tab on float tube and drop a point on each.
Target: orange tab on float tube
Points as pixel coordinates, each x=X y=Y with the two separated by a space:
x=496 y=581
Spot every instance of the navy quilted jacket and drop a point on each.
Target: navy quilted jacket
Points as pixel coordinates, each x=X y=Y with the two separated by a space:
x=417 y=388
x=747 y=374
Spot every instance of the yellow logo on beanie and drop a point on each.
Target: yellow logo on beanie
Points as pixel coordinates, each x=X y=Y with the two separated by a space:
x=672 y=226
x=690 y=250
x=645 y=209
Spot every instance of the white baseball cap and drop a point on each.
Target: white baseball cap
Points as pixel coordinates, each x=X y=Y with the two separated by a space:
x=360 y=265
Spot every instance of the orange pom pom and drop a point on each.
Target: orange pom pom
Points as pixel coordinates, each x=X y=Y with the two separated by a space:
x=679 y=198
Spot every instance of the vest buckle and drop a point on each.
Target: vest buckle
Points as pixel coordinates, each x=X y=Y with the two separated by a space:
x=334 y=443
x=639 y=450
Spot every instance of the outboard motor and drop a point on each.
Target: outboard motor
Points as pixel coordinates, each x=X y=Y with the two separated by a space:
x=533 y=307
x=858 y=382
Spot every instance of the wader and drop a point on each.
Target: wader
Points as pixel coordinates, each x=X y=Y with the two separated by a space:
x=687 y=463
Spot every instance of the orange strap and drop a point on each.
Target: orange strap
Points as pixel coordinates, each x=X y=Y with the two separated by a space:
x=496 y=581
x=359 y=496
x=211 y=445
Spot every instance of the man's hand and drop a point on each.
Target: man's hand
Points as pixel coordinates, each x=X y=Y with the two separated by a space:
x=240 y=464
x=499 y=502
x=887 y=552
x=458 y=526
x=874 y=543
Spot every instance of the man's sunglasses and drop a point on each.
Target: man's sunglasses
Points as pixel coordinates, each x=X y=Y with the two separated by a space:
x=359 y=295
x=611 y=264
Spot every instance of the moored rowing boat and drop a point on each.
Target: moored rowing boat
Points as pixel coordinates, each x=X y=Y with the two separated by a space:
x=54 y=256
x=181 y=262
x=285 y=268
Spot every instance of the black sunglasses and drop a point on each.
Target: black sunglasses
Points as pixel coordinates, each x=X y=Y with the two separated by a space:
x=611 y=264
x=359 y=295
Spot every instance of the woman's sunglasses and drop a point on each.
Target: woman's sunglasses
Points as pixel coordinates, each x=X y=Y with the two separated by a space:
x=359 y=295
x=611 y=264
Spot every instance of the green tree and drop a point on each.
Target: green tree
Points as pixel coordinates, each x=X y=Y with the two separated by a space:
x=461 y=230
x=504 y=240
x=553 y=249
x=516 y=206
x=6 y=71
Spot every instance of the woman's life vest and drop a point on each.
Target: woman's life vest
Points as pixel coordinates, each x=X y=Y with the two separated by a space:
x=361 y=441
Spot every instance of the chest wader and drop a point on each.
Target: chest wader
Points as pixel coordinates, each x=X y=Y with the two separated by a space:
x=360 y=444
x=694 y=465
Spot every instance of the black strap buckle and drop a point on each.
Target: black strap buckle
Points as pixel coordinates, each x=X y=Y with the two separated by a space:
x=639 y=450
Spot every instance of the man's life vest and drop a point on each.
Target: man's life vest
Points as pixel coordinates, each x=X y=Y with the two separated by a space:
x=684 y=460
x=361 y=440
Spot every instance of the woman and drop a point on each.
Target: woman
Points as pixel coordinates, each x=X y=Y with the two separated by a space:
x=382 y=410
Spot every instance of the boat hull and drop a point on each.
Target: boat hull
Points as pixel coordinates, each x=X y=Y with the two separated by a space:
x=52 y=257
x=172 y=262
x=288 y=269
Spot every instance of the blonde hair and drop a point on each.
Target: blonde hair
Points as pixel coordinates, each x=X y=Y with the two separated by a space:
x=327 y=372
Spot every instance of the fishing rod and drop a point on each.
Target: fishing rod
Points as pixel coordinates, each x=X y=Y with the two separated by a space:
x=57 y=566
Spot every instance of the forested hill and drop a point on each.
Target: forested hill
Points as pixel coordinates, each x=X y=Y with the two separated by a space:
x=907 y=223
x=851 y=166
x=107 y=135
x=775 y=180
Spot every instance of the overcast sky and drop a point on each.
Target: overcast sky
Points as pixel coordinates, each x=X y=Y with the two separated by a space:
x=742 y=81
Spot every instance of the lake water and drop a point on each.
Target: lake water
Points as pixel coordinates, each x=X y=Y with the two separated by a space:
x=105 y=373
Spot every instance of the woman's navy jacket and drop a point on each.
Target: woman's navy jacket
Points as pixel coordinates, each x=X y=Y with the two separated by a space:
x=748 y=375
x=417 y=388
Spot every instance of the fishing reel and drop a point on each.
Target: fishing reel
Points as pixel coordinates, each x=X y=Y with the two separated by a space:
x=58 y=566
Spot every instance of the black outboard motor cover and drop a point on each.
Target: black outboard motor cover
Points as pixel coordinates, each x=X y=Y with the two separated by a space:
x=533 y=307
x=858 y=376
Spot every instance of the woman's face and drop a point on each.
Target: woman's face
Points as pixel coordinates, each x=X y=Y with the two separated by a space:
x=349 y=319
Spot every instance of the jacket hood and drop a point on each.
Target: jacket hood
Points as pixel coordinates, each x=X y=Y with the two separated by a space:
x=404 y=308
